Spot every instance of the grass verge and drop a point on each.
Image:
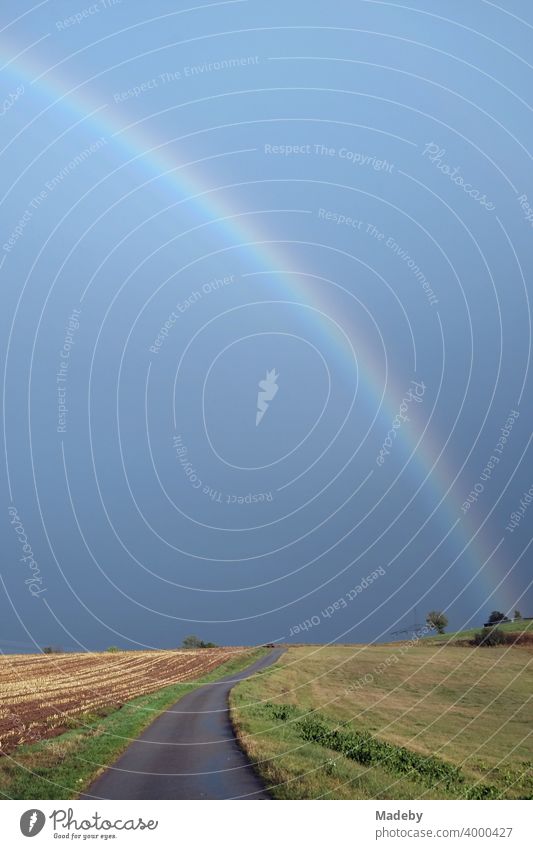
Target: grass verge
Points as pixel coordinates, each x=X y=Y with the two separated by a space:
x=64 y=766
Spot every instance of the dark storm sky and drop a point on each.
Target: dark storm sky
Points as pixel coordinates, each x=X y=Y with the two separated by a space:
x=340 y=194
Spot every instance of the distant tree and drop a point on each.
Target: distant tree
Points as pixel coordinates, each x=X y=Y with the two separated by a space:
x=490 y=637
x=517 y=615
x=497 y=616
x=52 y=650
x=437 y=620
x=193 y=642
x=112 y=648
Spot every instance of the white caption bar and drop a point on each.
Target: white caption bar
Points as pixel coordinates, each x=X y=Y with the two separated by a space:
x=263 y=825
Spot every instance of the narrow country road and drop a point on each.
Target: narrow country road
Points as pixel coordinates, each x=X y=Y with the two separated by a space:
x=189 y=752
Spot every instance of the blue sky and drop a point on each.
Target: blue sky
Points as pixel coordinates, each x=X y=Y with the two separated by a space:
x=333 y=199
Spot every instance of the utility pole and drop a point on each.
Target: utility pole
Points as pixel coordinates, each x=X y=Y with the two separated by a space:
x=413 y=630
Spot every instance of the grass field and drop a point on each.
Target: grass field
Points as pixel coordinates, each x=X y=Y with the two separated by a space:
x=392 y=721
x=61 y=767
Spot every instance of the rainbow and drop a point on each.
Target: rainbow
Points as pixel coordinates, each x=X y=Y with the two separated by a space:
x=486 y=571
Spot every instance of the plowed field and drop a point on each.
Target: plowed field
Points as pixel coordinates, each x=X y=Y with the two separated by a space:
x=41 y=695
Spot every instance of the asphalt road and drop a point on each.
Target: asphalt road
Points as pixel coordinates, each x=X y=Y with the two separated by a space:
x=189 y=752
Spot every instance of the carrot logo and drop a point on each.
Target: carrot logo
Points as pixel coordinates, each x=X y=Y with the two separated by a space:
x=267 y=390
x=32 y=822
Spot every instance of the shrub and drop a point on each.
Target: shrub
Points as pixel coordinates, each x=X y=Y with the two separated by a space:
x=497 y=616
x=489 y=637
x=281 y=712
x=437 y=620
x=194 y=642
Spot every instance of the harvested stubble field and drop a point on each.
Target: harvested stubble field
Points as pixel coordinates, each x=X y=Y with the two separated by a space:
x=42 y=695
